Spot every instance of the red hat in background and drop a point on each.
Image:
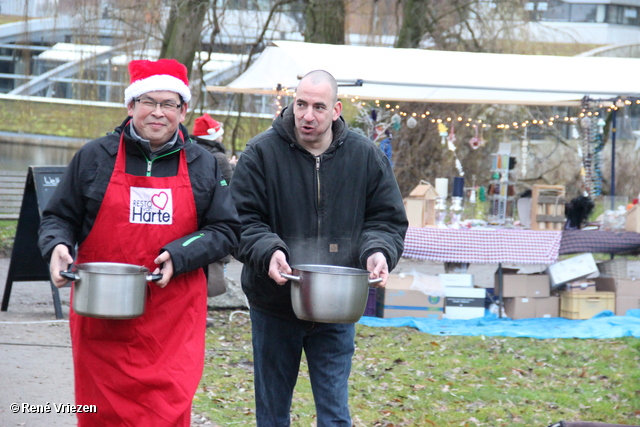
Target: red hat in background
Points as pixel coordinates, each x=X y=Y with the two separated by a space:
x=149 y=76
x=206 y=127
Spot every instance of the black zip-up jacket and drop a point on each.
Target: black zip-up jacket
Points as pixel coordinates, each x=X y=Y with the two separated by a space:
x=217 y=149
x=334 y=209
x=72 y=209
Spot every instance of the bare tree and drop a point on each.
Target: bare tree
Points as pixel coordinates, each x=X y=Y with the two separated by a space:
x=183 y=34
x=325 y=21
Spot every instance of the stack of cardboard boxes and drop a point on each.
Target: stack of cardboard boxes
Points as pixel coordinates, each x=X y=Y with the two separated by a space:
x=568 y=288
x=527 y=295
x=579 y=297
x=422 y=295
x=463 y=301
x=626 y=292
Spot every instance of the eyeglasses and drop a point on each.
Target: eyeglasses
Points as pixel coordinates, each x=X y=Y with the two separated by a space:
x=164 y=106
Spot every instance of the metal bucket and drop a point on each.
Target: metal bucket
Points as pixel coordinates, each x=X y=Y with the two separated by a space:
x=329 y=294
x=109 y=290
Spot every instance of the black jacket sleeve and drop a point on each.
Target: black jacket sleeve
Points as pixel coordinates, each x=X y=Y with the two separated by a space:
x=385 y=223
x=259 y=241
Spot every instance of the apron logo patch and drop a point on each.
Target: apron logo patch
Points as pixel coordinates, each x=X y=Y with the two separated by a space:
x=151 y=206
x=160 y=200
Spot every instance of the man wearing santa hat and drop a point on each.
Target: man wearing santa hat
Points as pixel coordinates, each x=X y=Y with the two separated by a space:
x=208 y=133
x=143 y=194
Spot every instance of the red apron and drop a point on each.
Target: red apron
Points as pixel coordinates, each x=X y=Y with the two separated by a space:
x=144 y=371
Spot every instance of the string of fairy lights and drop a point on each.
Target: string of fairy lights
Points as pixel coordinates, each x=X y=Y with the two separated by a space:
x=588 y=126
x=471 y=121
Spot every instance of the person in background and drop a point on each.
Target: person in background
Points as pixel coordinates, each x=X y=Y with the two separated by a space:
x=310 y=191
x=208 y=133
x=143 y=194
x=386 y=147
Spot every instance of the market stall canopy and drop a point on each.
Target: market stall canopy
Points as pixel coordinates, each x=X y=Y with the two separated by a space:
x=382 y=73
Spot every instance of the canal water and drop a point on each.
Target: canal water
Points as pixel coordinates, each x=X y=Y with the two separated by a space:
x=17 y=157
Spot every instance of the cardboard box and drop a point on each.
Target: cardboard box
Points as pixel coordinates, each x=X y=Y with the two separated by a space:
x=523 y=285
x=420 y=205
x=632 y=222
x=398 y=299
x=582 y=305
x=572 y=269
x=621 y=287
x=519 y=308
x=464 y=303
x=626 y=303
x=528 y=308
x=548 y=306
x=581 y=285
x=456 y=280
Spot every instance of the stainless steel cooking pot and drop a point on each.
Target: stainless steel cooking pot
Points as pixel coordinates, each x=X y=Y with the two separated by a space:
x=329 y=294
x=109 y=290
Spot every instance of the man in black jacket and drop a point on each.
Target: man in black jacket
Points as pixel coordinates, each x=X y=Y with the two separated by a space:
x=208 y=133
x=143 y=195
x=310 y=191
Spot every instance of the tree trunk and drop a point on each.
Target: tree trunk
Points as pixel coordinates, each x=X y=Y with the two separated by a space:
x=414 y=23
x=184 y=31
x=325 y=20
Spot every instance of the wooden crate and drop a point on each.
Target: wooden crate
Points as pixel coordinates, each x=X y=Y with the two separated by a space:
x=547 y=207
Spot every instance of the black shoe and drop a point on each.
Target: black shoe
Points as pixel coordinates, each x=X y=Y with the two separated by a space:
x=558 y=424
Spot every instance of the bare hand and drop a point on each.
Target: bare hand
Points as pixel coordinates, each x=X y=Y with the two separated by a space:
x=60 y=261
x=378 y=268
x=164 y=260
x=277 y=265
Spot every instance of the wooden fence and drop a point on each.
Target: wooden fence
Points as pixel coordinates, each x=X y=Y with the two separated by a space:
x=11 y=189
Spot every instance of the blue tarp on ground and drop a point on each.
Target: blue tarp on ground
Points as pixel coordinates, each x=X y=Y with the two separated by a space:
x=603 y=325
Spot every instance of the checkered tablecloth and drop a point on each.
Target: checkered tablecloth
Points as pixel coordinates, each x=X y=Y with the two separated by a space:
x=608 y=242
x=482 y=246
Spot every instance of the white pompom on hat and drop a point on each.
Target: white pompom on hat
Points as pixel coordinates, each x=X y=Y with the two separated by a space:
x=150 y=76
x=206 y=127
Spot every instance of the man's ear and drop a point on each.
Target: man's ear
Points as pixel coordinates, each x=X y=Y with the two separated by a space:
x=337 y=110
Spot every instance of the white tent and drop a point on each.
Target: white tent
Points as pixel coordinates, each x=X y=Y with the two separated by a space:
x=438 y=76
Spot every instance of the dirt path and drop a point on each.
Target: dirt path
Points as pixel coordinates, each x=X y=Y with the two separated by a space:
x=35 y=355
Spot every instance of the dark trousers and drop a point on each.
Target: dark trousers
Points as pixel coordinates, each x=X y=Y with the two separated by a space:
x=277 y=350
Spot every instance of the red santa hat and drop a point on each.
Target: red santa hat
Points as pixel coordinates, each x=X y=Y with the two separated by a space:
x=149 y=76
x=206 y=127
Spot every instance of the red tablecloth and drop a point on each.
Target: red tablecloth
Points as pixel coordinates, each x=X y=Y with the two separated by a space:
x=488 y=246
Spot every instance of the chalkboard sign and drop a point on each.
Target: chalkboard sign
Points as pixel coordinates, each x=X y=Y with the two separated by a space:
x=26 y=262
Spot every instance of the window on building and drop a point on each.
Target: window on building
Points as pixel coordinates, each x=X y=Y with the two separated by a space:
x=583 y=12
x=556 y=10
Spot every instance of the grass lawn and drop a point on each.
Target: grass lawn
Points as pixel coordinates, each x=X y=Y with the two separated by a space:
x=403 y=377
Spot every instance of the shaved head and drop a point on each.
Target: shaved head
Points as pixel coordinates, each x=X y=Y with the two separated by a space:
x=317 y=77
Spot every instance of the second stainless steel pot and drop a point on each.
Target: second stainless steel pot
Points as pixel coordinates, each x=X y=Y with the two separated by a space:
x=329 y=294
x=110 y=290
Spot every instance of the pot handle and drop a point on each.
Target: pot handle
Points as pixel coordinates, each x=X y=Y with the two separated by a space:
x=290 y=277
x=153 y=277
x=374 y=281
x=70 y=275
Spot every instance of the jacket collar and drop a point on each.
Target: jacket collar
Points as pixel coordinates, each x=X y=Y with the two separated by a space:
x=181 y=143
x=284 y=124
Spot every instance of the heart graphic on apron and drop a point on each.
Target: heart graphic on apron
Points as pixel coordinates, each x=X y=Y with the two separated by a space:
x=160 y=200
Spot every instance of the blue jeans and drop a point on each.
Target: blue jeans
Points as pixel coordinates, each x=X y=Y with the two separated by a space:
x=277 y=350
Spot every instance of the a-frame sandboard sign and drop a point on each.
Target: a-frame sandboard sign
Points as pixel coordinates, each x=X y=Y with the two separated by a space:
x=26 y=262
